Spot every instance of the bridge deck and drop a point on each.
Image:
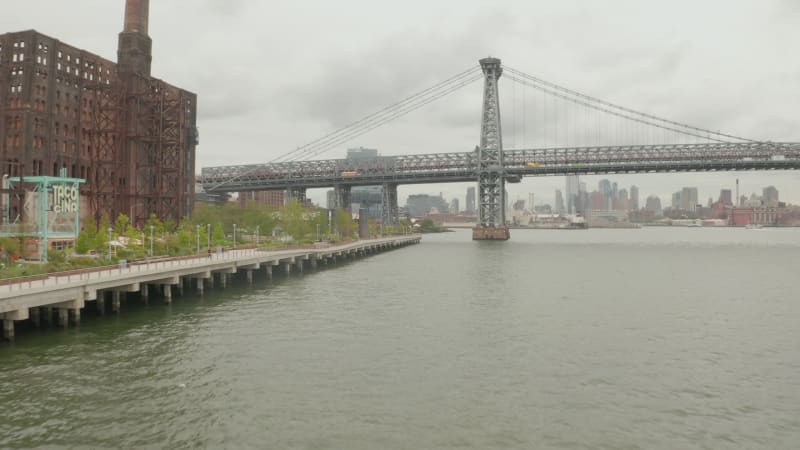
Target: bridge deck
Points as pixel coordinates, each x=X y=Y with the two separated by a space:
x=461 y=167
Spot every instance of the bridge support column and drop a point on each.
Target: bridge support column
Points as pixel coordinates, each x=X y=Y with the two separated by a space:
x=8 y=329
x=268 y=271
x=76 y=315
x=341 y=197
x=35 y=317
x=296 y=193
x=167 y=293
x=389 y=213
x=211 y=281
x=63 y=317
x=116 y=301
x=100 y=303
x=200 y=285
x=223 y=280
x=491 y=176
x=180 y=288
x=298 y=264
x=313 y=263
x=249 y=276
x=48 y=315
x=287 y=268
x=144 y=291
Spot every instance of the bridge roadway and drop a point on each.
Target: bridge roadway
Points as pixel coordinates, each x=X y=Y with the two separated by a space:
x=462 y=167
x=67 y=294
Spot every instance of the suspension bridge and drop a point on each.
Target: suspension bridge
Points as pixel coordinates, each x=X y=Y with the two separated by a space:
x=608 y=138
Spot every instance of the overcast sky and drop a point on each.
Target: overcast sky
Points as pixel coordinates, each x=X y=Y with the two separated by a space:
x=272 y=76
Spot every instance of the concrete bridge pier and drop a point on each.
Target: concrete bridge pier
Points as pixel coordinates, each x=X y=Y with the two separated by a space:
x=75 y=314
x=299 y=265
x=200 y=285
x=144 y=291
x=167 y=288
x=48 y=315
x=268 y=271
x=211 y=281
x=116 y=301
x=7 y=322
x=63 y=317
x=287 y=268
x=100 y=303
x=8 y=329
x=180 y=288
x=249 y=276
x=35 y=317
x=313 y=261
x=223 y=280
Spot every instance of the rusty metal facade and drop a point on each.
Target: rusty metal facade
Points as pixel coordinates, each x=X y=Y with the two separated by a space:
x=131 y=136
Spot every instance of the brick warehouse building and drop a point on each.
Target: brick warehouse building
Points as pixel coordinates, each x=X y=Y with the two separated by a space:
x=131 y=136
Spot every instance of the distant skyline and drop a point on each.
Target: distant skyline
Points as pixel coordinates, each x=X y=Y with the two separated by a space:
x=267 y=83
x=548 y=197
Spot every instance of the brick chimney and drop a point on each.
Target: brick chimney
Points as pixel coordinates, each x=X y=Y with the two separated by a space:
x=134 y=52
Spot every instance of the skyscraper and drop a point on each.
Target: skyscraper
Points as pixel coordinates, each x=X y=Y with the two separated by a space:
x=573 y=188
x=689 y=199
x=471 y=200
x=559 y=202
x=770 y=196
x=653 y=203
x=634 y=200
x=725 y=197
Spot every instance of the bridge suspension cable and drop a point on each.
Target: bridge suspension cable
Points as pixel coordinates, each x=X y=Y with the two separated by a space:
x=595 y=103
x=383 y=116
x=372 y=121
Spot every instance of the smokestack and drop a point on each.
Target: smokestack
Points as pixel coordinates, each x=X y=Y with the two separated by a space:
x=134 y=52
x=136 y=16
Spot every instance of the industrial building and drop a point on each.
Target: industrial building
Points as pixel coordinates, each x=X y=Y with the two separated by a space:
x=68 y=112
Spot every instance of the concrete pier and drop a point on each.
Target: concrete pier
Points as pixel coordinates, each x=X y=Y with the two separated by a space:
x=35 y=317
x=61 y=296
x=63 y=317
x=8 y=329
x=116 y=301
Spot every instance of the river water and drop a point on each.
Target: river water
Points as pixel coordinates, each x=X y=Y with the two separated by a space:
x=659 y=338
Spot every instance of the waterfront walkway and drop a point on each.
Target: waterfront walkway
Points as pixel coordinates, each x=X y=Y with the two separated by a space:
x=63 y=295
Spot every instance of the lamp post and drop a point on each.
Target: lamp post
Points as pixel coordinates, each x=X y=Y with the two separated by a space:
x=151 y=240
x=110 y=235
x=197 y=231
x=234 y=236
x=208 y=234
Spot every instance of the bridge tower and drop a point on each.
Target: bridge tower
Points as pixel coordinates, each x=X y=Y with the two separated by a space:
x=491 y=178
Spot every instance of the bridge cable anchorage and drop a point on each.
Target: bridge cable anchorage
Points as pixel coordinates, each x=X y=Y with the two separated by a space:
x=425 y=93
x=380 y=121
x=370 y=122
x=619 y=114
x=549 y=87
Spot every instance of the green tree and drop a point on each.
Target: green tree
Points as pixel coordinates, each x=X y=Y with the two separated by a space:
x=344 y=223
x=121 y=225
x=295 y=221
x=87 y=237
